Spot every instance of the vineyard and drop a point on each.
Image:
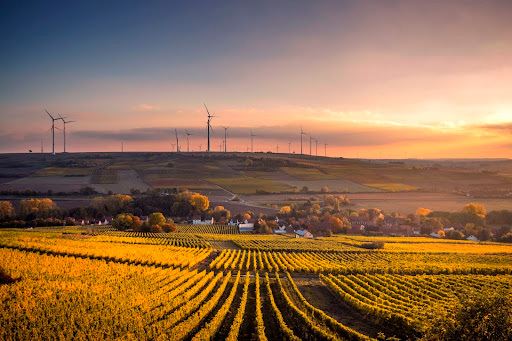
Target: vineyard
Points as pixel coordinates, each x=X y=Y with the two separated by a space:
x=71 y=284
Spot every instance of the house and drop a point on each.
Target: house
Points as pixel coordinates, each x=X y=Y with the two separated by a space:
x=358 y=222
x=303 y=234
x=473 y=238
x=280 y=230
x=196 y=220
x=107 y=221
x=144 y=219
x=233 y=222
x=416 y=231
x=435 y=235
x=246 y=225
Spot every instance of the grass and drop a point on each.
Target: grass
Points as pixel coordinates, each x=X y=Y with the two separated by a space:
x=393 y=187
x=64 y=171
x=249 y=185
x=306 y=173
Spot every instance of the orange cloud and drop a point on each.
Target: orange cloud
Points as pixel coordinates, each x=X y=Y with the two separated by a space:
x=145 y=107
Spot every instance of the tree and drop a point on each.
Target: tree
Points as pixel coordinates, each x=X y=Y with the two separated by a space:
x=6 y=210
x=122 y=221
x=156 y=218
x=38 y=208
x=136 y=224
x=476 y=209
x=112 y=204
x=169 y=226
x=285 y=210
x=199 y=202
x=423 y=211
x=478 y=316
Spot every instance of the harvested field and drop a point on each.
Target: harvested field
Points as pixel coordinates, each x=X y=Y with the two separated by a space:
x=128 y=179
x=43 y=184
x=333 y=185
x=246 y=185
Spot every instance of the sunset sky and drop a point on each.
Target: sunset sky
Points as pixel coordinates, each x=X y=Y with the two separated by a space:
x=369 y=78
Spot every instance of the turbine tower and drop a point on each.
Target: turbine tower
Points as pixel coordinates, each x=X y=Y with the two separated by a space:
x=209 y=126
x=316 y=147
x=325 y=150
x=226 y=138
x=200 y=147
x=177 y=141
x=252 y=138
x=289 y=147
x=188 y=134
x=53 y=130
x=301 y=133
x=65 y=122
x=311 y=138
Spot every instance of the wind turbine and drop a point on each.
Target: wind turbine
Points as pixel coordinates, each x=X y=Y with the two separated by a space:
x=310 y=139
x=289 y=147
x=177 y=141
x=65 y=122
x=301 y=133
x=226 y=138
x=53 y=130
x=325 y=150
x=200 y=147
x=172 y=144
x=220 y=146
x=277 y=147
x=252 y=137
x=316 y=147
x=188 y=134
x=209 y=126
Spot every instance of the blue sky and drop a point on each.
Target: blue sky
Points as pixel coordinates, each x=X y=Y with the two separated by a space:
x=429 y=72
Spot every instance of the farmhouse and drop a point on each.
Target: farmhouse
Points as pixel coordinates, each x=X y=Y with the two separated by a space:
x=246 y=225
x=196 y=220
x=303 y=234
x=472 y=238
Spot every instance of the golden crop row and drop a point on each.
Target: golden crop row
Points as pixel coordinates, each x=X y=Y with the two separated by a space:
x=362 y=262
x=408 y=301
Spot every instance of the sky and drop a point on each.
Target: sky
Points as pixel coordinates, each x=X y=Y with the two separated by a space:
x=369 y=79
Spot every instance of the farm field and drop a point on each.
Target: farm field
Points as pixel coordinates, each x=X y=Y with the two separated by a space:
x=204 y=282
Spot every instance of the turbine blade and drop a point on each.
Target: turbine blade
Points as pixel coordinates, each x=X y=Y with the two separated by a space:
x=49 y=114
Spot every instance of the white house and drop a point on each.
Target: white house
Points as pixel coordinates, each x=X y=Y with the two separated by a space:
x=196 y=220
x=435 y=235
x=472 y=238
x=280 y=230
x=246 y=225
x=303 y=234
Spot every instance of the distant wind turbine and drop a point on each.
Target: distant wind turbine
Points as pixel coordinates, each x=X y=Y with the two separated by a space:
x=65 y=122
x=177 y=141
x=316 y=147
x=209 y=126
x=301 y=133
x=200 y=147
x=289 y=147
x=252 y=138
x=226 y=138
x=311 y=138
x=325 y=150
x=188 y=134
x=173 y=144
x=53 y=130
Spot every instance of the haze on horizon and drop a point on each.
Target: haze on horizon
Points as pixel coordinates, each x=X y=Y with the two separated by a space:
x=369 y=78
